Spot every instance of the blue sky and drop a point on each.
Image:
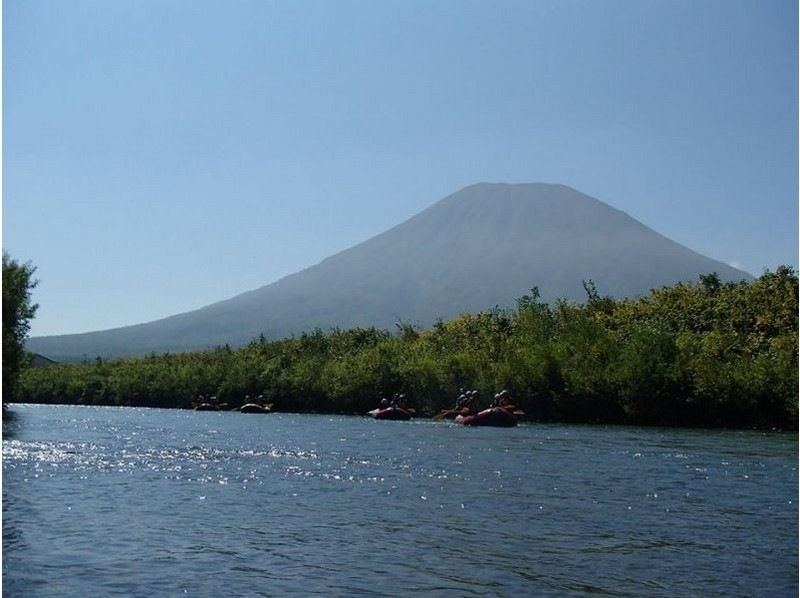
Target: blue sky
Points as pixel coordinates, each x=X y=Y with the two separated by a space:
x=162 y=155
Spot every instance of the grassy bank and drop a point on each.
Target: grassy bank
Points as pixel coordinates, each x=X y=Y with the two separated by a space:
x=703 y=354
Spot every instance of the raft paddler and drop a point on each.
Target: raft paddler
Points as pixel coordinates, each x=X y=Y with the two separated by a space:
x=472 y=401
x=459 y=409
x=504 y=399
x=507 y=404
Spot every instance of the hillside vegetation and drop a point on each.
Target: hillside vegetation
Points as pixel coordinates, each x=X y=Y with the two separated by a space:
x=702 y=354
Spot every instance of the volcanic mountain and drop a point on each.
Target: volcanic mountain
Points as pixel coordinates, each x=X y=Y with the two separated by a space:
x=481 y=247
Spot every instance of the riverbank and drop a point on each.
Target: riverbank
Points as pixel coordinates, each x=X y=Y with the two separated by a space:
x=699 y=355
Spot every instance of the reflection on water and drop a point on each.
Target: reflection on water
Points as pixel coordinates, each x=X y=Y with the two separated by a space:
x=113 y=501
x=10 y=423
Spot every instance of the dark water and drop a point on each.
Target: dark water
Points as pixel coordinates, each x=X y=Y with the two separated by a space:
x=137 y=502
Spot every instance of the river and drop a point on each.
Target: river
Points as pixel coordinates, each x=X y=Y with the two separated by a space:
x=102 y=501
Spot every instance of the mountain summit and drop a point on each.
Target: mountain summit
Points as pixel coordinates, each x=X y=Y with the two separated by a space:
x=483 y=246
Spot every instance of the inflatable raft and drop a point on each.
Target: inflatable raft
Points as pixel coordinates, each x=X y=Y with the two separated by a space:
x=494 y=416
x=255 y=408
x=391 y=413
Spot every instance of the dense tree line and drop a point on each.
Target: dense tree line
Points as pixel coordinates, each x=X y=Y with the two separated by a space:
x=701 y=354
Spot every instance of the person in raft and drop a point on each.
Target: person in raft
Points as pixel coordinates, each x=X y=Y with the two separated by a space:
x=401 y=402
x=472 y=401
x=504 y=398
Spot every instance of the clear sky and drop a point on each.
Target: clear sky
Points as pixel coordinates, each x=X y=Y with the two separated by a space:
x=162 y=155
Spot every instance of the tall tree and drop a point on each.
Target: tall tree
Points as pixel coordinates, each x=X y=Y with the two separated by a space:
x=17 y=313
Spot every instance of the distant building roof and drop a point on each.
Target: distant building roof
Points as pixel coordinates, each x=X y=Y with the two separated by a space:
x=39 y=361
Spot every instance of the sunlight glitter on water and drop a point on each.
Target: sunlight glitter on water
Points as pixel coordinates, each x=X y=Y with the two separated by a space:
x=544 y=510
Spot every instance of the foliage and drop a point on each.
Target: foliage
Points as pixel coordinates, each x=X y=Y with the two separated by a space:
x=702 y=354
x=17 y=313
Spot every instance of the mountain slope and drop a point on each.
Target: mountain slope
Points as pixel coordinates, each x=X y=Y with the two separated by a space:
x=483 y=246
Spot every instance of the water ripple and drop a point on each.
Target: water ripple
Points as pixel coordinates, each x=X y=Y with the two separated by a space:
x=148 y=502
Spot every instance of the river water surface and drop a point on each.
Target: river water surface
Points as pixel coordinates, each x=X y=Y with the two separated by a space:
x=101 y=501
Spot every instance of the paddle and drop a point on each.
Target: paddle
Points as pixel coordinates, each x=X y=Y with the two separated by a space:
x=443 y=414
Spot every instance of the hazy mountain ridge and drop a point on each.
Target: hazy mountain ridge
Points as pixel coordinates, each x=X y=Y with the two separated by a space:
x=483 y=246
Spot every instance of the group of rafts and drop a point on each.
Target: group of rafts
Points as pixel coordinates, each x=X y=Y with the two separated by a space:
x=501 y=413
x=211 y=404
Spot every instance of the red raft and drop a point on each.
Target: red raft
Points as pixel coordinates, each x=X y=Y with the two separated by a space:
x=391 y=413
x=255 y=408
x=494 y=416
